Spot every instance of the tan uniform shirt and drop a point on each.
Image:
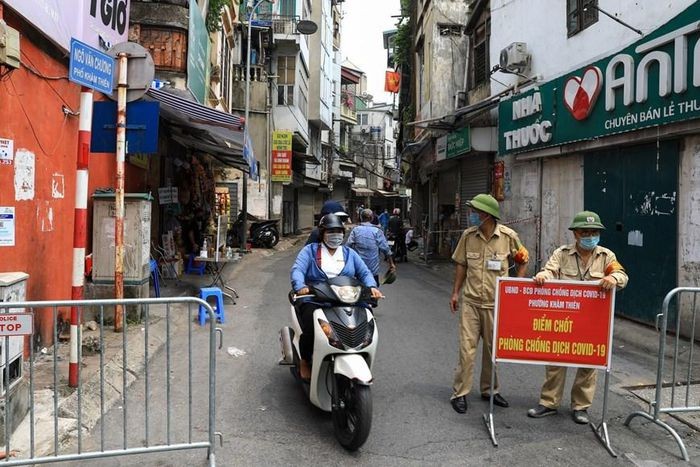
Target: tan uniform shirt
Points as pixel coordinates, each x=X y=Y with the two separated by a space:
x=486 y=260
x=565 y=263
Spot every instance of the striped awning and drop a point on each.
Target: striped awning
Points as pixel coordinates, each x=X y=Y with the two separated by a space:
x=201 y=128
x=197 y=112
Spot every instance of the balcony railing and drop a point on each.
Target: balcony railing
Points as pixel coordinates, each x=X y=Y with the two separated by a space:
x=347 y=112
x=257 y=73
x=280 y=24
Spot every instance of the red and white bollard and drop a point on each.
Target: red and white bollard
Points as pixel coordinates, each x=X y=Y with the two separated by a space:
x=79 y=231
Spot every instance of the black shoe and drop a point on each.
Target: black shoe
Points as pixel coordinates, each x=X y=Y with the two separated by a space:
x=540 y=411
x=459 y=404
x=497 y=400
x=580 y=416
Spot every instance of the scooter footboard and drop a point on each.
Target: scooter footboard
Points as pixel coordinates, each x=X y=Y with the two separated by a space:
x=353 y=366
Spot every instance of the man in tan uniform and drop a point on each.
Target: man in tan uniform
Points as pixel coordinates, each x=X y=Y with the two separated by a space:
x=583 y=261
x=482 y=256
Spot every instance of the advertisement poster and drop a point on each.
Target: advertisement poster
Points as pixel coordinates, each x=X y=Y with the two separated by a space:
x=281 y=156
x=564 y=323
x=7 y=226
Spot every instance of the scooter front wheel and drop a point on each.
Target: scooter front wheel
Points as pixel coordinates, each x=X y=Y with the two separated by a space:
x=272 y=240
x=352 y=412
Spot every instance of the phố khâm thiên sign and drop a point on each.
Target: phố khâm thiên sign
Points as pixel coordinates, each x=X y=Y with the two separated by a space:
x=565 y=323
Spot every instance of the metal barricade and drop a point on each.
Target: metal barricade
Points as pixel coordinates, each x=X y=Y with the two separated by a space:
x=678 y=378
x=160 y=415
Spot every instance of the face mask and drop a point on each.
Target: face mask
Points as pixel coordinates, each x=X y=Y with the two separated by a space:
x=333 y=240
x=588 y=243
x=474 y=219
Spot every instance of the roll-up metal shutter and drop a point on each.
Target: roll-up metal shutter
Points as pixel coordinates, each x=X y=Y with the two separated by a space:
x=474 y=179
x=447 y=183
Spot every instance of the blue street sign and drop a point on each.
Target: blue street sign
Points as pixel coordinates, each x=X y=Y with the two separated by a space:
x=90 y=67
x=141 y=127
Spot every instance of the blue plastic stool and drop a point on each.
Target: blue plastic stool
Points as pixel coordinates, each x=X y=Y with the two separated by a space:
x=204 y=294
x=192 y=269
x=155 y=277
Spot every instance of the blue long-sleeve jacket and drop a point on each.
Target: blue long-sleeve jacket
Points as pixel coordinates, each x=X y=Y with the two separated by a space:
x=368 y=241
x=305 y=269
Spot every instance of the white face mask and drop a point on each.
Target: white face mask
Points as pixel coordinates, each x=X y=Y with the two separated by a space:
x=333 y=240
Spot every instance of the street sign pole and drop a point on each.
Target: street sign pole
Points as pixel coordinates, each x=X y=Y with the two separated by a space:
x=135 y=74
x=123 y=61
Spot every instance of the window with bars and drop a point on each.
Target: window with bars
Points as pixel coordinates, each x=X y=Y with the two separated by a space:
x=580 y=14
x=285 y=79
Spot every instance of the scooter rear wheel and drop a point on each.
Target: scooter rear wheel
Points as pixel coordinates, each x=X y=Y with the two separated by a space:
x=352 y=412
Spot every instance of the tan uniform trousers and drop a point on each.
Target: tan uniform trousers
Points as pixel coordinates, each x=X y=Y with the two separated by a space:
x=474 y=322
x=582 y=391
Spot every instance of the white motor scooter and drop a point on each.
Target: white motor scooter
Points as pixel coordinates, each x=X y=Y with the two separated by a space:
x=344 y=345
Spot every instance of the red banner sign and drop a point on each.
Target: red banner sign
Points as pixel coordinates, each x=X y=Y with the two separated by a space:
x=564 y=323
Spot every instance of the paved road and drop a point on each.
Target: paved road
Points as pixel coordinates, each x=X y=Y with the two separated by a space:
x=267 y=421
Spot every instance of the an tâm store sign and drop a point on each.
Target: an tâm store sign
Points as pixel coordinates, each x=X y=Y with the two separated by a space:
x=652 y=82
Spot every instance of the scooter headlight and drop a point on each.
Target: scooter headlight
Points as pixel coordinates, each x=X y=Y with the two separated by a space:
x=347 y=293
x=330 y=334
x=369 y=335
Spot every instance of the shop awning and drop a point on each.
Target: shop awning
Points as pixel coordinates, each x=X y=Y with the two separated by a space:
x=362 y=192
x=198 y=127
x=387 y=194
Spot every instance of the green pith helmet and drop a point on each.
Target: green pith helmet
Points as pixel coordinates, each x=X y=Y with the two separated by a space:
x=586 y=220
x=485 y=203
x=389 y=277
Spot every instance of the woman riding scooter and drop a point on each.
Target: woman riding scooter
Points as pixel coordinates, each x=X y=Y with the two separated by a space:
x=318 y=262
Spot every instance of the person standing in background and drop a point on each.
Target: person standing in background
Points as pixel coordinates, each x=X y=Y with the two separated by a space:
x=369 y=242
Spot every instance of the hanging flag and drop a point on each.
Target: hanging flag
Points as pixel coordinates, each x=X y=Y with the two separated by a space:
x=249 y=156
x=392 y=81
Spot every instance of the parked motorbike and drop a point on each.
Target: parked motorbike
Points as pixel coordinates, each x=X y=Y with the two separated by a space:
x=344 y=346
x=261 y=233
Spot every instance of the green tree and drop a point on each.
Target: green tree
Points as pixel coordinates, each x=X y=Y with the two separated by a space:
x=214 y=14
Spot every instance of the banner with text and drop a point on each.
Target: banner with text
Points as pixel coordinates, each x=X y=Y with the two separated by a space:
x=652 y=82
x=281 y=156
x=564 y=323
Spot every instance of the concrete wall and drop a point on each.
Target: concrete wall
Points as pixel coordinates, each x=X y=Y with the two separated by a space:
x=443 y=57
x=542 y=25
x=257 y=126
x=562 y=197
x=521 y=208
x=290 y=117
x=39 y=183
x=689 y=213
x=321 y=65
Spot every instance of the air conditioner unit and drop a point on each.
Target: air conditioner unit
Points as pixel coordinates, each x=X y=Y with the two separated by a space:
x=515 y=58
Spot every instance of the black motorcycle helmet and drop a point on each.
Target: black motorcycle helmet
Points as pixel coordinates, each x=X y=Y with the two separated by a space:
x=329 y=222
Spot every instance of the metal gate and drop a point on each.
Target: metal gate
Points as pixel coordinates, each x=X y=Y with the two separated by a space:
x=163 y=416
x=635 y=191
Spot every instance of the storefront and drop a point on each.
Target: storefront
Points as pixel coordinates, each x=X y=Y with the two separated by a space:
x=197 y=172
x=619 y=136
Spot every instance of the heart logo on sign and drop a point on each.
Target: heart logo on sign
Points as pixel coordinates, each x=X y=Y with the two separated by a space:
x=580 y=94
